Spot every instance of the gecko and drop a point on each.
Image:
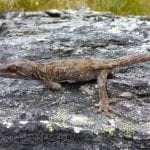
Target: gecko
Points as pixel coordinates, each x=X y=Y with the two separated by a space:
x=54 y=72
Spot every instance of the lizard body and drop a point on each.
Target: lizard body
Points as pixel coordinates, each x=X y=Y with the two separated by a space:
x=77 y=70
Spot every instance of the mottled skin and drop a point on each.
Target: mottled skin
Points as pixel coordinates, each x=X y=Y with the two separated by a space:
x=71 y=70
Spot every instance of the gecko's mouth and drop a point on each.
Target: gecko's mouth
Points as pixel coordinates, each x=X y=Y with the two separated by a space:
x=6 y=72
x=14 y=75
x=9 y=75
x=17 y=68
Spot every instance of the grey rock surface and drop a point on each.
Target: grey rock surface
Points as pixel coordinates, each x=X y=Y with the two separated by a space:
x=33 y=117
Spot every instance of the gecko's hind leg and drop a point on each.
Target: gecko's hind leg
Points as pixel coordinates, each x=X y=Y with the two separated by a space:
x=104 y=108
x=103 y=105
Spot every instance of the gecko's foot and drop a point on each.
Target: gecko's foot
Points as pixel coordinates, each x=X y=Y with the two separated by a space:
x=106 y=108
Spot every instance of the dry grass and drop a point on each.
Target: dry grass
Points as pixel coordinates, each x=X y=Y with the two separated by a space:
x=119 y=7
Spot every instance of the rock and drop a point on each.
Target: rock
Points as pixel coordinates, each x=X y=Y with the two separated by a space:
x=32 y=117
x=147 y=18
x=128 y=95
x=2 y=15
x=54 y=13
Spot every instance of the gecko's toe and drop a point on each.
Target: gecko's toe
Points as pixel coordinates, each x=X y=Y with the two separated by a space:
x=98 y=110
x=97 y=105
x=102 y=108
x=106 y=109
x=115 y=112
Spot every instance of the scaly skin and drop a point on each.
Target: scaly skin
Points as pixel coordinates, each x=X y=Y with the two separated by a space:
x=73 y=70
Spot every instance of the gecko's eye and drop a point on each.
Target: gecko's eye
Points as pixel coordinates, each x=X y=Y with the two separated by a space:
x=12 y=69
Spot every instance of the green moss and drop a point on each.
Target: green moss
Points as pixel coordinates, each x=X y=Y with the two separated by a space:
x=109 y=130
x=118 y=7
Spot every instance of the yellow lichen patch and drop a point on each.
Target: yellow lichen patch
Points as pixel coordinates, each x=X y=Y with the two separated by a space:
x=61 y=116
x=128 y=131
x=109 y=130
x=50 y=125
x=58 y=120
x=81 y=120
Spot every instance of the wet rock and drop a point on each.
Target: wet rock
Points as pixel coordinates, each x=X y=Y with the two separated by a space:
x=33 y=117
x=147 y=18
x=3 y=26
x=2 y=15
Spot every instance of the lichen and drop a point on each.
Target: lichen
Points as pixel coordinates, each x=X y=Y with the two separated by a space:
x=109 y=130
x=81 y=120
x=50 y=125
x=128 y=131
x=61 y=117
x=58 y=120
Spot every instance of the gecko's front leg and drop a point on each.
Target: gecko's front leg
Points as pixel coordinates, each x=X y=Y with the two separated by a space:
x=52 y=85
x=103 y=105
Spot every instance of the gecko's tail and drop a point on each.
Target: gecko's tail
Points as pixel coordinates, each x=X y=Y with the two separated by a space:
x=129 y=60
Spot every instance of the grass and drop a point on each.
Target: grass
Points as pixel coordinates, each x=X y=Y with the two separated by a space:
x=118 y=7
x=122 y=7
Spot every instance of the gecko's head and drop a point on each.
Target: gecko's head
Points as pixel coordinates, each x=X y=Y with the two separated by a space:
x=17 y=67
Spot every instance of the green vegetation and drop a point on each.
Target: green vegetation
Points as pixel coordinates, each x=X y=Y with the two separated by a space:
x=118 y=7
